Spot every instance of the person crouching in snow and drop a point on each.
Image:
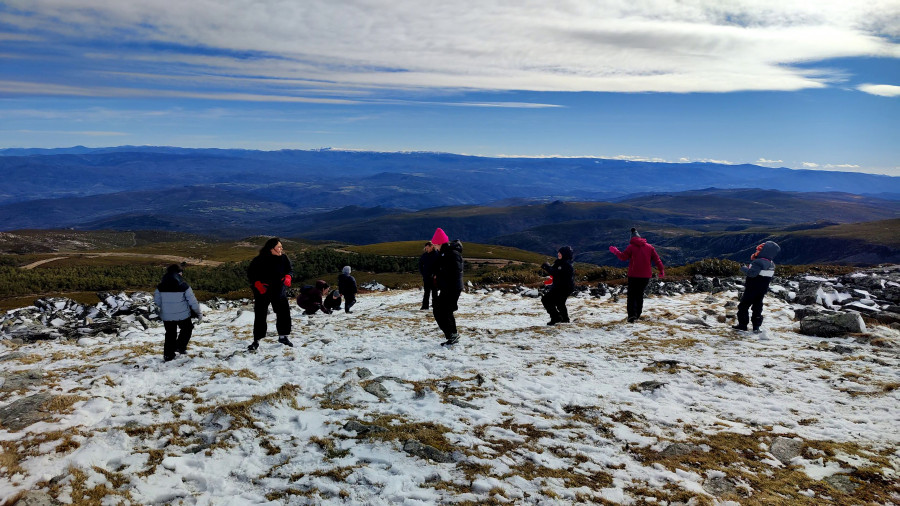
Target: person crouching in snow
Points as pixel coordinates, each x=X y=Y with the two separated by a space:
x=270 y=275
x=448 y=282
x=311 y=298
x=759 y=274
x=333 y=300
x=563 y=273
x=639 y=256
x=176 y=302
x=347 y=287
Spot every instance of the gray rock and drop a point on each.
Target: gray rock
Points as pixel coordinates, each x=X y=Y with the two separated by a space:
x=832 y=325
x=679 y=449
x=648 y=385
x=377 y=389
x=785 y=449
x=11 y=356
x=363 y=373
x=424 y=451
x=842 y=350
x=463 y=404
x=37 y=498
x=807 y=293
x=362 y=429
x=719 y=486
x=888 y=317
x=21 y=413
x=18 y=380
x=842 y=482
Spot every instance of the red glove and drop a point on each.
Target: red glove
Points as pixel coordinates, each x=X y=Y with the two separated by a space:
x=662 y=274
x=613 y=249
x=287 y=280
x=260 y=287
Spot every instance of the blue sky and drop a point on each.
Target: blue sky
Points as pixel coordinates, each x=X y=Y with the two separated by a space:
x=800 y=84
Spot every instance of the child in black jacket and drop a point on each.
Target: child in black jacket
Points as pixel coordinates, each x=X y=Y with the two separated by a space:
x=563 y=273
x=759 y=274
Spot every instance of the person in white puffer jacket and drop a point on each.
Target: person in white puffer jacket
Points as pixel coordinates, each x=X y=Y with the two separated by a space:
x=177 y=304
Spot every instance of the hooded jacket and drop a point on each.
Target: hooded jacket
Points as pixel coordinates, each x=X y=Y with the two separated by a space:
x=310 y=298
x=448 y=269
x=639 y=256
x=426 y=262
x=347 y=285
x=175 y=299
x=270 y=270
x=563 y=272
x=762 y=264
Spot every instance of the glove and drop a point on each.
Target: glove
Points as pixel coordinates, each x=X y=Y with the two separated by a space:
x=260 y=287
x=546 y=266
x=199 y=319
x=287 y=280
x=662 y=274
x=613 y=249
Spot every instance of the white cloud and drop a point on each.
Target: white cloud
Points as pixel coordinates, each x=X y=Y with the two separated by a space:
x=763 y=161
x=810 y=165
x=882 y=90
x=611 y=45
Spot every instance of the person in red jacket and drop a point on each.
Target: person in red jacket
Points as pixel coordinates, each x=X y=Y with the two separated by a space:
x=639 y=256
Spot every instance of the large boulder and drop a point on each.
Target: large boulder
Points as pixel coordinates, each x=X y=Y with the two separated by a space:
x=832 y=325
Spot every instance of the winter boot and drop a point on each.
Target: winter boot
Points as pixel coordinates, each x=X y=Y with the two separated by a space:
x=453 y=339
x=285 y=341
x=742 y=328
x=757 y=323
x=253 y=346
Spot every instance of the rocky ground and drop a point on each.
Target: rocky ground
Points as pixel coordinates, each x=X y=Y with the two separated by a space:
x=369 y=408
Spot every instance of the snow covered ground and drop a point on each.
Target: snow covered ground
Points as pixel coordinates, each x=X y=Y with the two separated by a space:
x=368 y=408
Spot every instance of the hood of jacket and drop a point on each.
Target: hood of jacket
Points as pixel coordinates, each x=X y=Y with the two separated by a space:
x=172 y=283
x=769 y=250
x=638 y=241
x=567 y=253
x=454 y=245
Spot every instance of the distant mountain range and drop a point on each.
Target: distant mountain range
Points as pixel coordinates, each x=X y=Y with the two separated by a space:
x=689 y=211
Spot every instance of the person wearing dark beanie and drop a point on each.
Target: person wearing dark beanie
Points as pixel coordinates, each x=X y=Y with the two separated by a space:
x=640 y=256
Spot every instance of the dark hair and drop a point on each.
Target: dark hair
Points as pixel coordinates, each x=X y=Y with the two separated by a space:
x=267 y=247
x=174 y=269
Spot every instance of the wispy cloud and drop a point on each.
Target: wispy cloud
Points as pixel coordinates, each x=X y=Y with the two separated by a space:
x=763 y=161
x=87 y=133
x=635 y=46
x=882 y=90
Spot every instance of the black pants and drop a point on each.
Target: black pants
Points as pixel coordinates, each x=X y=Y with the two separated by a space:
x=261 y=310
x=349 y=301
x=429 y=291
x=445 y=303
x=555 y=304
x=636 y=287
x=754 y=293
x=174 y=342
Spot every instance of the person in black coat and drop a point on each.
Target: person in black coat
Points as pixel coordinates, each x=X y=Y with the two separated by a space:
x=333 y=300
x=270 y=276
x=426 y=269
x=311 y=298
x=563 y=273
x=347 y=287
x=448 y=279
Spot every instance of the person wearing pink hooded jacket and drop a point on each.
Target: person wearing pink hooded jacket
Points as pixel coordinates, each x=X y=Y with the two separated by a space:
x=640 y=257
